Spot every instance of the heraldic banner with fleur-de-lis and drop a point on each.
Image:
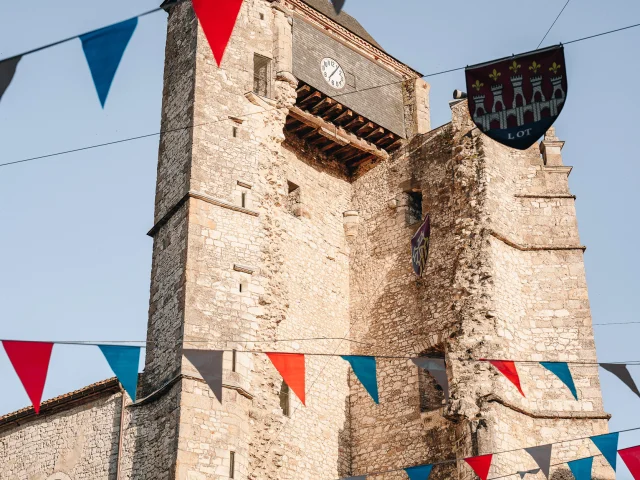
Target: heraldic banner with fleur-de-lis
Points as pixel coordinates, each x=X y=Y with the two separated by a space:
x=516 y=99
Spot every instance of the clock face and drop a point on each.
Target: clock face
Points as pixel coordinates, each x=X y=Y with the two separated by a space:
x=333 y=73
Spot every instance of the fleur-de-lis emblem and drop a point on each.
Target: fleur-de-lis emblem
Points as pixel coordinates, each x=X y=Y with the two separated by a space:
x=494 y=75
x=535 y=66
x=515 y=67
x=554 y=68
x=478 y=85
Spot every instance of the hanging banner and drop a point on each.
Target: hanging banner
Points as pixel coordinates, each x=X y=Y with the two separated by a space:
x=124 y=362
x=608 y=446
x=621 y=371
x=438 y=370
x=631 y=458
x=419 y=473
x=480 y=465
x=209 y=366
x=581 y=469
x=338 y=5
x=508 y=369
x=420 y=247
x=516 y=99
x=30 y=360
x=561 y=370
x=217 y=20
x=542 y=456
x=104 y=49
x=7 y=71
x=291 y=367
x=365 y=370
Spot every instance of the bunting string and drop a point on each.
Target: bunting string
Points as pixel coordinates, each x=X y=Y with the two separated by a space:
x=10 y=63
x=482 y=465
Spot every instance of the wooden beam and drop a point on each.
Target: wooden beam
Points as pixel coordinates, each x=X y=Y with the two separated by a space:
x=337 y=134
x=376 y=133
x=325 y=102
x=304 y=89
x=337 y=108
x=309 y=98
x=387 y=138
x=356 y=121
x=346 y=115
x=395 y=144
x=364 y=128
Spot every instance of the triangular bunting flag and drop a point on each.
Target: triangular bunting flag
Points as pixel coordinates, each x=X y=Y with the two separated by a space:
x=7 y=70
x=209 y=366
x=30 y=360
x=365 y=370
x=631 y=458
x=436 y=367
x=535 y=471
x=480 y=465
x=103 y=49
x=542 y=457
x=291 y=367
x=508 y=369
x=419 y=473
x=124 y=362
x=337 y=5
x=217 y=20
x=619 y=370
x=608 y=446
x=561 y=370
x=581 y=469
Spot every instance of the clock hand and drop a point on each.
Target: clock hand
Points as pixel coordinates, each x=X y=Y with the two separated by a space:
x=334 y=72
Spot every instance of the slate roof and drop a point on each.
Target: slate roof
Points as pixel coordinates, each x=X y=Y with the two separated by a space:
x=344 y=19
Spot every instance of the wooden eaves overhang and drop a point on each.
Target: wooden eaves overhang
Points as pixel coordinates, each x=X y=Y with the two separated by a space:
x=337 y=131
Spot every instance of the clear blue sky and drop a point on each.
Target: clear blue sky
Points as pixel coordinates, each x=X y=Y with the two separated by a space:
x=74 y=256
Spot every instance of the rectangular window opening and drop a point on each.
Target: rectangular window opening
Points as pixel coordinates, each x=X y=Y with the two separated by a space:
x=431 y=394
x=284 y=398
x=234 y=359
x=414 y=207
x=261 y=75
x=243 y=200
x=235 y=132
x=232 y=465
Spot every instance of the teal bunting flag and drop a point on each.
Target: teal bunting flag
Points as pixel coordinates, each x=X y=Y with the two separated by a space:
x=361 y=477
x=365 y=370
x=608 y=446
x=337 y=5
x=561 y=370
x=104 y=49
x=124 y=362
x=419 y=473
x=581 y=469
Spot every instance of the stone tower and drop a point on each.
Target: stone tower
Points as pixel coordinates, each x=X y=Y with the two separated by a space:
x=286 y=213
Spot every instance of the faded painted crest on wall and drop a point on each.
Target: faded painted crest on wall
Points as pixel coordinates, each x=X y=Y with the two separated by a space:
x=515 y=100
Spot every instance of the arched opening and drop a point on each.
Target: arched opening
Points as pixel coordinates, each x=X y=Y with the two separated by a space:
x=499 y=106
x=479 y=112
x=545 y=113
x=512 y=121
x=519 y=100
x=559 y=93
x=495 y=124
x=537 y=97
x=528 y=117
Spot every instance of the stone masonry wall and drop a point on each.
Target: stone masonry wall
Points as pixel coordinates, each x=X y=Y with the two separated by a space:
x=505 y=280
x=81 y=442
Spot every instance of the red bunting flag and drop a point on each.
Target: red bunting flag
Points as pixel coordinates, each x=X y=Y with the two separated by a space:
x=508 y=369
x=291 y=367
x=30 y=360
x=631 y=458
x=217 y=19
x=480 y=465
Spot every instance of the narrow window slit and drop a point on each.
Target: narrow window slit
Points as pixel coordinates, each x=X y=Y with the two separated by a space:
x=232 y=465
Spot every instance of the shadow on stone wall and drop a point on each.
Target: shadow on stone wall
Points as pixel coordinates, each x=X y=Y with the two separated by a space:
x=344 y=442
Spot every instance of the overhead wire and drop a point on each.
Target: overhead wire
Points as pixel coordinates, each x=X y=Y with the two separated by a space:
x=553 y=24
x=456 y=460
x=139 y=137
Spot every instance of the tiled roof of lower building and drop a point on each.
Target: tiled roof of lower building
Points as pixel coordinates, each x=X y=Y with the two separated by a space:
x=63 y=402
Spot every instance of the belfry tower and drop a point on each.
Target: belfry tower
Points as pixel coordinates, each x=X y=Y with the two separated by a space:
x=286 y=213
